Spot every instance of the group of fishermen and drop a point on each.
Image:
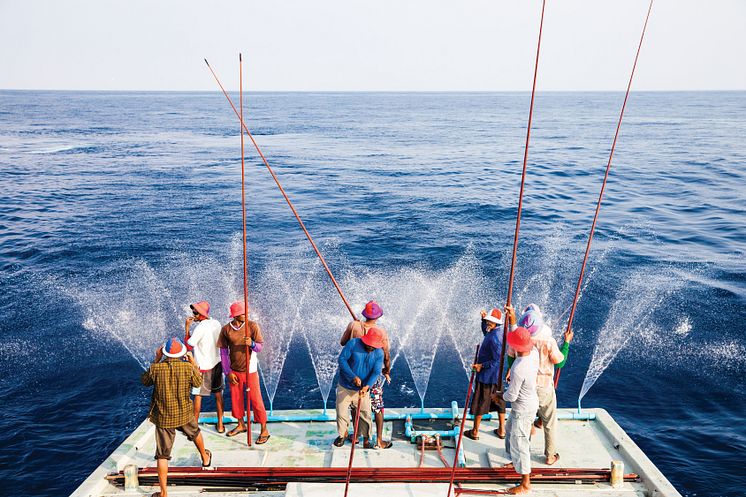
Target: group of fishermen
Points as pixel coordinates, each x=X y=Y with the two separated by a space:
x=210 y=351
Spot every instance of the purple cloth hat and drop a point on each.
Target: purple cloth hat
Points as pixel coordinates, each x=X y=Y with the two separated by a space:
x=532 y=321
x=372 y=310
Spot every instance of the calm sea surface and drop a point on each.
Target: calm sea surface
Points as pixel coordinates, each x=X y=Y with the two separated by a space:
x=118 y=209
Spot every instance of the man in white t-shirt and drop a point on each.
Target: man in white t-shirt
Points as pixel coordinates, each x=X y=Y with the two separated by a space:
x=521 y=393
x=203 y=339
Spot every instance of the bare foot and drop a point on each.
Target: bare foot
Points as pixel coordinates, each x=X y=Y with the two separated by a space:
x=552 y=459
x=509 y=465
x=520 y=489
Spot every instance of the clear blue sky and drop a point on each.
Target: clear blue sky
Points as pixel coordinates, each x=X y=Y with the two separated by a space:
x=419 y=45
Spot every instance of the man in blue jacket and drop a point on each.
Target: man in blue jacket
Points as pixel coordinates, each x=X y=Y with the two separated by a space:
x=488 y=374
x=360 y=365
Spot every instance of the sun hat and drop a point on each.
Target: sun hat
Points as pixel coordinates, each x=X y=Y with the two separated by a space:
x=237 y=309
x=533 y=307
x=520 y=340
x=174 y=348
x=372 y=310
x=495 y=316
x=374 y=338
x=532 y=321
x=203 y=307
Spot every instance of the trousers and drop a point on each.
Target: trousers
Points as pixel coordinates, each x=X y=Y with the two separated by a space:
x=255 y=394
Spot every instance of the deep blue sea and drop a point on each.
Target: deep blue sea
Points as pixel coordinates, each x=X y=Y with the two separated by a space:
x=119 y=209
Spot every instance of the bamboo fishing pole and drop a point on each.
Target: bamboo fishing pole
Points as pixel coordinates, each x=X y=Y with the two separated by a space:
x=520 y=202
x=247 y=391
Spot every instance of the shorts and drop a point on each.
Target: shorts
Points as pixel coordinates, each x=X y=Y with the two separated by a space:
x=376 y=395
x=482 y=403
x=212 y=382
x=164 y=438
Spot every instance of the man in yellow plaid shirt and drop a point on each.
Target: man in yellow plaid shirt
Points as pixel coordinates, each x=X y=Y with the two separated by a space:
x=171 y=407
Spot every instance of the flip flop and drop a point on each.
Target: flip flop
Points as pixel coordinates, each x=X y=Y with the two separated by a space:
x=386 y=445
x=209 y=459
x=262 y=439
x=496 y=431
x=234 y=432
x=219 y=430
x=470 y=434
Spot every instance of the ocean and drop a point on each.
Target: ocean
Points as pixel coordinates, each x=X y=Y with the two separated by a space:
x=119 y=209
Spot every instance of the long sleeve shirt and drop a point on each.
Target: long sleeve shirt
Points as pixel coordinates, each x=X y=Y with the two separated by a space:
x=355 y=361
x=521 y=391
x=489 y=356
x=357 y=329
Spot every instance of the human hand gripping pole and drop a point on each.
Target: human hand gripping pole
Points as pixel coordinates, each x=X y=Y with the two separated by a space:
x=463 y=421
x=354 y=439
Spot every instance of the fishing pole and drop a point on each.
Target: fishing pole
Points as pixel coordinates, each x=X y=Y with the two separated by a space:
x=603 y=186
x=354 y=441
x=245 y=260
x=520 y=202
x=287 y=199
x=463 y=422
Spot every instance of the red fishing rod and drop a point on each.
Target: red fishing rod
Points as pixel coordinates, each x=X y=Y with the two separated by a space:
x=287 y=199
x=354 y=441
x=603 y=186
x=520 y=201
x=245 y=261
x=463 y=422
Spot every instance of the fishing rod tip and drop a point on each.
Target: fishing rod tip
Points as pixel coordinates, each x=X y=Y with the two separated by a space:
x=240 y=59
x=208 y=64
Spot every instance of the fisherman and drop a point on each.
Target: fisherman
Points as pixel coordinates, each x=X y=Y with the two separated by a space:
x=358 y=329
x=521 y=393
x=203 y=341
x=551 y=357
x=170 y=406
x=360 y=365
x=232 y=343
x=488 y=374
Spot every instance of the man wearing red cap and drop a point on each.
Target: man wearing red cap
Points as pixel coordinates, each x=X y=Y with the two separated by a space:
x=521 y=393
x=358 y=329
x=170 y=406
x=232 y=343
x=360 y=364
x=203 y=340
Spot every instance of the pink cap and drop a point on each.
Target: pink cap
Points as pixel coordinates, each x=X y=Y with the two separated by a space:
x=237 y=309
x=203 y=307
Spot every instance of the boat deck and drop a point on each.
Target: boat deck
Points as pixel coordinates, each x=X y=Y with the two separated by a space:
x=581 y=443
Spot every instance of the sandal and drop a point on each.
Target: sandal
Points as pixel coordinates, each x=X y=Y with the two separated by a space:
x=220 y=430
x=367 y=445
x=338 y=442
x=209 y=459
x=499 y=435
x=470 y=434
x=386 y=445
x=234 y=432
x=262 y=439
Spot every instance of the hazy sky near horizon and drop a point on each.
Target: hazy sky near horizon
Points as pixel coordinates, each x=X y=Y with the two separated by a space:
x=387 y=45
